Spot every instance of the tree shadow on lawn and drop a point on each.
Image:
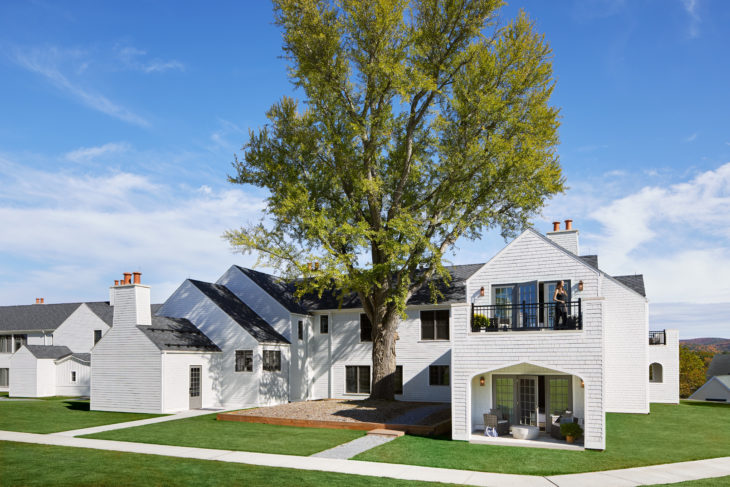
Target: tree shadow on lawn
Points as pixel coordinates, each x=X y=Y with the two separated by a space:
x=707 y=404
x=77 y=405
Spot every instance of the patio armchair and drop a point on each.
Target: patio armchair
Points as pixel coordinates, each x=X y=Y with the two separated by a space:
x=494 y=419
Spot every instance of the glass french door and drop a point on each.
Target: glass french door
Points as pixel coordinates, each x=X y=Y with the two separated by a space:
x=527 y=304
x=527 y=400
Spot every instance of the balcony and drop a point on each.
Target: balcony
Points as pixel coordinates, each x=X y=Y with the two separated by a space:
x=524 y=317
x=657 y=337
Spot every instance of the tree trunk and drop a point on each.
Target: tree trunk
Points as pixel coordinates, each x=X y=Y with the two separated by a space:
x=384 y=336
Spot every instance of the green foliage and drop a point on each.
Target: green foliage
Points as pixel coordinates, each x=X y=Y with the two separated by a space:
x=571 y=429
x=424 y=123
x=480 y=322
x=692 y=370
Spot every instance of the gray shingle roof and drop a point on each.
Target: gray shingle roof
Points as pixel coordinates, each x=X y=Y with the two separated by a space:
x=720 y=365
x=284 y=291
x=635 y=282
x=724 y=379
x=48 y=351
x=84 y=357
x=177 y=334
x=591 y=260
x=35 y=317
x=222 y=297
x=103 y=311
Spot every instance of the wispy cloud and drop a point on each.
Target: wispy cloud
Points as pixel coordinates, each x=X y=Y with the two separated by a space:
x=219 y=137
x=691 y=7
x=46 y=62
x=587 y=10
x=134 y=59
x=690 y=138
x=591 y=148
x=84 y=154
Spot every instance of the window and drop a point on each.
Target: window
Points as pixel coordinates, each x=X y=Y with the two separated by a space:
x=324 y=324
x=435 y=325
x=503 y=301
x=272 y=360
x=20 y=340
x=4 y=377
x=300 y=330
x=6 y=344
x=399 y=379
x=438 y=375
x=504 y=395
x=244 y=360
x=97 y=336
x=366 y=328
x=357 y=379
x=655 y=372
x=559 y=394
x=73 y=376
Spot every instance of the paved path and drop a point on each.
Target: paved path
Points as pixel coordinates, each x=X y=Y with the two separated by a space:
x=675 y=472
x=354 y=447
x=141 y=422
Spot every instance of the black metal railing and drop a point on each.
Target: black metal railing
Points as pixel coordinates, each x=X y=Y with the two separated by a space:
x=526 y=317
x=657 y=338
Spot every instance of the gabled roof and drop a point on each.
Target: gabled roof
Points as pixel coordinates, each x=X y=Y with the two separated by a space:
x=35 y=317
x=284 y=291
x=103 y=311
x=635 y=282
x=177 y=334
x=724 y=380
x=48 y=351
x=720 y=365
x=247 y=318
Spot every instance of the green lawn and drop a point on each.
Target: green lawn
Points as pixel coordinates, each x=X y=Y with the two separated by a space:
x=714 y=482
x=51 y=415
x=671 y=433
x=207 y=432
x=64 y=466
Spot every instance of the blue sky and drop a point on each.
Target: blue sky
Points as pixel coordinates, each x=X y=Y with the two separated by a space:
x=119 y=120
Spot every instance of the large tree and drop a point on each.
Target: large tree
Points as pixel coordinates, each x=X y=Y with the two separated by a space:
x=423 y=123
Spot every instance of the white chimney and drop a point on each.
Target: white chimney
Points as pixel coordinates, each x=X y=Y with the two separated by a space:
x=131 y=301
x=568 y=238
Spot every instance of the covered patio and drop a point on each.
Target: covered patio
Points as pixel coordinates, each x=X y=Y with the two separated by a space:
x=529 y=402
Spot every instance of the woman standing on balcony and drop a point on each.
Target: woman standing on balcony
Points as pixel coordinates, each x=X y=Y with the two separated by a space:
x=560 y=296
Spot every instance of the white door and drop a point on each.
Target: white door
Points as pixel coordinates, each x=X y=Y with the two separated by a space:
x=196 y=399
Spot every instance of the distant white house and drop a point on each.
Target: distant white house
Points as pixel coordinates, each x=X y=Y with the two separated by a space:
x=717 y=389
x=44 y=348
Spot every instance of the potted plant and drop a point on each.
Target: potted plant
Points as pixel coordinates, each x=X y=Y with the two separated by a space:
x=479 y=322
x=571 y=431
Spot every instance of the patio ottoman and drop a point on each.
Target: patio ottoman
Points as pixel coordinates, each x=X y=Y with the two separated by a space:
x=525 y=432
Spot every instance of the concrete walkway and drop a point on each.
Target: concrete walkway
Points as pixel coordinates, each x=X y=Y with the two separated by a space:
x=141 y=422
x=675 y=472
x=354 y=447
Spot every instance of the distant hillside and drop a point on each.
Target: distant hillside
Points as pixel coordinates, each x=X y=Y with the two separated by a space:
x=711 y=345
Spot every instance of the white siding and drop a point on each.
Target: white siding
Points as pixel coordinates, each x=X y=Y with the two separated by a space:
x=319 y=351
x=568 y=239
x=23 y=374
x=300 y=372
x=274 y=385
x=64 y=385
x=712 y=389
x=347 y=349
x=667 y=355
x=273 y=312
x=77 y=332
x=126 y=367
x=627 y=350
x=176 y=383
x=231 y=389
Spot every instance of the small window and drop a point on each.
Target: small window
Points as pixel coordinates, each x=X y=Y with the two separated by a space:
x=73 y=376
x=438 y=375
x=20 y=340
x=324 y=324
x=435 y=325
x=97 y=336
x=366 y=328
x=272 y=360
x=399 y=379
x=244 y=360
x=4 y=377
x=357 y=379
x=6 y=344
x=655 y=372
x=300 y=330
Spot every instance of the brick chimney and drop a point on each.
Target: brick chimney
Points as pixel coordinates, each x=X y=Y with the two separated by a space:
x=131 y=301
x=568 y=238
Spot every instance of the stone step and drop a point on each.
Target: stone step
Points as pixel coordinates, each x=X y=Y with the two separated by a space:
x=386 y=432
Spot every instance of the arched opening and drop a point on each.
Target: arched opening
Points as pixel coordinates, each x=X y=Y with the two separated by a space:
x=655 y=372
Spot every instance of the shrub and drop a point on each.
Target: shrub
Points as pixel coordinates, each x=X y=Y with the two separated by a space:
x=571 y=429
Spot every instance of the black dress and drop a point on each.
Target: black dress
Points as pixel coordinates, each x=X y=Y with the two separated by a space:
x=561 y=309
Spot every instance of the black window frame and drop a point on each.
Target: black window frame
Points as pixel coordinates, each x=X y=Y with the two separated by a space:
x=300 y=330
x=441 y=374
x=272 y=360
x=5 y=374
x=398 y=387
x=8 y=342
x=324 y=324
x=73 y=376
x=23 y=341
x=361 y=374
x=430 y=324
x=366 y=328
x=97 y=336
x=243 y=361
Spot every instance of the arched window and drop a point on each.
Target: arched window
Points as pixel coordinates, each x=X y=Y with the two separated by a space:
x=655 y=372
